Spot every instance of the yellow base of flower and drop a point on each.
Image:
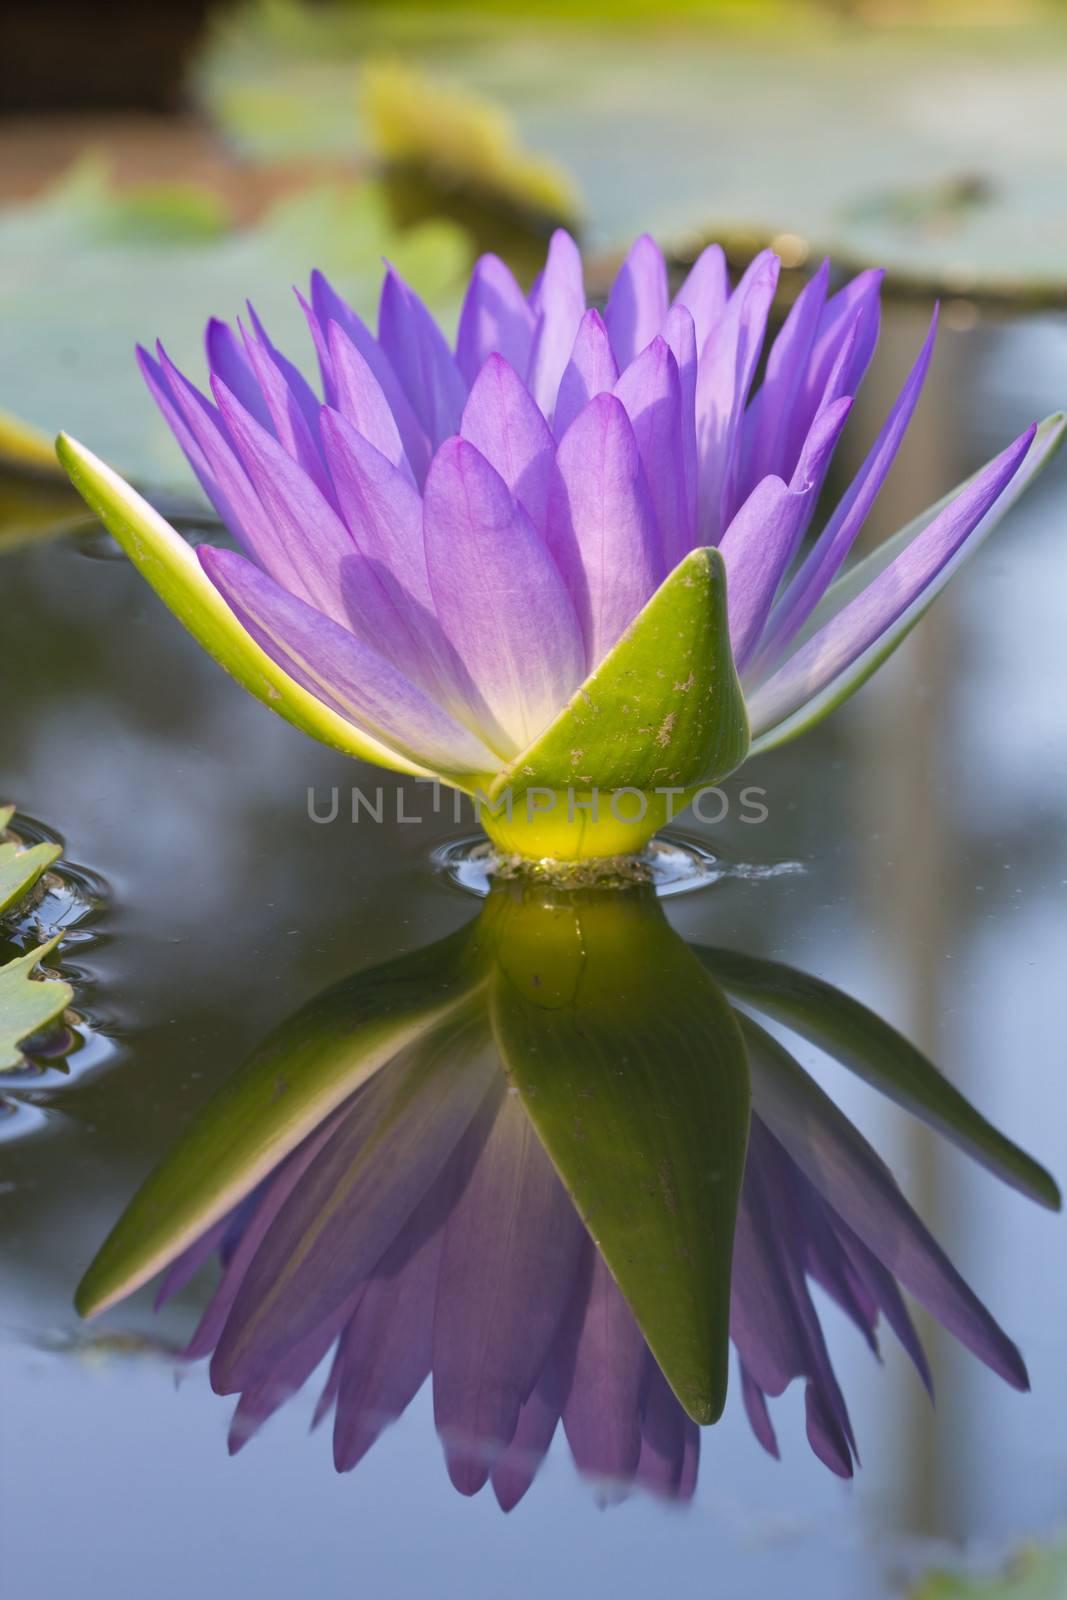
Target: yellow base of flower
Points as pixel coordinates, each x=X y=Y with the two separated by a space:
x=571 y=826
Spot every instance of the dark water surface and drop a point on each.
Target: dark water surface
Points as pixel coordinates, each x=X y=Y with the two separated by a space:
x=925 y=825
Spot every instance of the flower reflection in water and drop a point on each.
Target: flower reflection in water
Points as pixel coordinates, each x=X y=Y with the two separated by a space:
x=549 y=1165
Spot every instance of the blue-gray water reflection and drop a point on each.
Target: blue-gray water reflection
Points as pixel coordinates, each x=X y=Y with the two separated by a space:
x=515 y=1162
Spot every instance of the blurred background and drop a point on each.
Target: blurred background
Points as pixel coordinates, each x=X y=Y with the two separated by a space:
x=170 y=160
x=160 y=163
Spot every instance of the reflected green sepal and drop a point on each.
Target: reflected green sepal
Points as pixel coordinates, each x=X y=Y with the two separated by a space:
x=876 y=1052
x=288 y=1086
x=632 y=1070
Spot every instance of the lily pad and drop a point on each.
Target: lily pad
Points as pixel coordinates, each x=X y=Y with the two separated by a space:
x=20 y=867
x=716 y=126
x=28 y=1003
x=146 y=276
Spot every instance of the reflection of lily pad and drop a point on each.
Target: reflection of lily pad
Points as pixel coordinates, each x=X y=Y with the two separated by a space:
x=1033 y=1574
x=681 y=126
x=156 y=265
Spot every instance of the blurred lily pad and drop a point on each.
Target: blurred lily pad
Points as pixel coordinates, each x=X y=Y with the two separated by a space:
x=87 y=271
x=1033 y=1574
x=461 y=141
x=682 y=125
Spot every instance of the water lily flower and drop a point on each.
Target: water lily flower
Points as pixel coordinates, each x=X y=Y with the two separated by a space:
x=564 y=559
x=437 y=1170
x=492 y=1290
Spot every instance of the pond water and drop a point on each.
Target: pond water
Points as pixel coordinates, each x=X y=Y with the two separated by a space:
x=912 y=855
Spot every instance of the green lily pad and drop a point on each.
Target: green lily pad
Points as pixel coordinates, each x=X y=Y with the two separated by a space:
x=869 y=1047
x=28 y=1004
x=297 y=1076
x=663 y=709
x=20 y=867
x=149 y=269
x=631 y=1067
x=674 y=91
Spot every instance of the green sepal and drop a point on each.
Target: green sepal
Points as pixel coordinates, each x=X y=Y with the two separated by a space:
x=663 y=709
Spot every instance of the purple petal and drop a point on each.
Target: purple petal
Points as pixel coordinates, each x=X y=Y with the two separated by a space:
x=381 y=508
x=651 y=391
x=299 y=388
x=680 y=334
x=386 y=1350
x=851 y=1178
x=419 y=355
x=883 y=1288
x=502 y=421
x=763 y=537
x=227 y=360
x=663 y=1437
x=773 y=1321
x=828 y=1263
x=351 y=1204
x=931 y=556
x=767 y=428
x=312 y=554
x=824 y=1433
x=591 y=370
x=727 y=367
x=199 y=429
x=516 y=1467
x=850 y=319
x=185 y=1267
x=705 y=292
x=360 y=399
x=558 y=303
x=839 y=535
x=499 y=596
x=273 y=1193
x=759 y=1418
x=508 y=1266
x=328 y=1397
x=342 y=671
x=687 y=1480
x=601 y=525
x=289 y=422
x=263 y=1398
x=306 y=546
x=384 y=514
x=637 y=304
x=602 y=1413
x=329 y=307
x=495 y=319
